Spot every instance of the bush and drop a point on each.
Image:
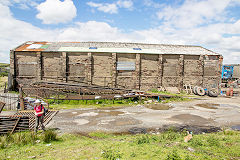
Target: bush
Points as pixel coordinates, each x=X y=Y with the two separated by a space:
x=49 y=136
x=111 y=154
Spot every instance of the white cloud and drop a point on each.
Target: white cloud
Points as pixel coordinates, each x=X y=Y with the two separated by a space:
x=22 y=4
x=106 y=7
x=193 y=13
x=56 y=11
x=112 y=8
x=212 y=36
x=125 y=4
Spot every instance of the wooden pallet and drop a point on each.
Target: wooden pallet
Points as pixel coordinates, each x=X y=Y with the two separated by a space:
x=2 y=104
x=15 y=123
x=188 y=88
x=47 y=118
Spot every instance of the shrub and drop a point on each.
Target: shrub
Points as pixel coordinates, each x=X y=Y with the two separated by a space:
x=49 y=136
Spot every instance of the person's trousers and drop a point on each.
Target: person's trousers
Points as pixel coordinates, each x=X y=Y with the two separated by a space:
x=39 y=121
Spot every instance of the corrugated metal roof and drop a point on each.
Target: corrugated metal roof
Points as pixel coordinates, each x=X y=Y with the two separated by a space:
x=114 y=47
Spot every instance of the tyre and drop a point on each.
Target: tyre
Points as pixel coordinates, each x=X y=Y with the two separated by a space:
x=200 y=91
x=213 y=93
x=195 y=90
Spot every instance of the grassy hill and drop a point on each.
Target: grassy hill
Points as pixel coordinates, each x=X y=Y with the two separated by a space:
x=4 y=69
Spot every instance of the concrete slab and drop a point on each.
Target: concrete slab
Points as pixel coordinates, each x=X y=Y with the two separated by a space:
x=204 y=113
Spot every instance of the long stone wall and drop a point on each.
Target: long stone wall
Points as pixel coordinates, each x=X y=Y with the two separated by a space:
x=150 y=70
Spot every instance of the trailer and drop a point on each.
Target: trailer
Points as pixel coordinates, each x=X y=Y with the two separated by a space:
x=230 y=72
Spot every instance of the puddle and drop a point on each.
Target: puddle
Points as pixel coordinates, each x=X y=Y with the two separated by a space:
x=191 y=119
x=208 y=105
x=236 y=127
x=158 y=106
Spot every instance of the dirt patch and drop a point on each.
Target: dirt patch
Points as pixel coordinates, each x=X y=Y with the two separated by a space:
x=109 y=113
x=158 y=106
x=81 y=121
x=124 y=122
x=208 y=105
x=191 y=119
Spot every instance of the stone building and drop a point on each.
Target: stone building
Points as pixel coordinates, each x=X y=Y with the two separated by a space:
x=120 y=65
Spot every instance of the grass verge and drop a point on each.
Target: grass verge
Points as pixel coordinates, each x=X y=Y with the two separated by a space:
x=166 y=146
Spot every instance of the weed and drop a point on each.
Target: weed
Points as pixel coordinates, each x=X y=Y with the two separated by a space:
x=111 y=154
x=23 y=138
x=213 y=141
x=49 y=136
x=143 y=139
x=188 y=158
x=20 y=139
x=196 y=142
x=173 y=156
x=99 y=135
x=133 y=154
x=3 y=142
x=170 y=135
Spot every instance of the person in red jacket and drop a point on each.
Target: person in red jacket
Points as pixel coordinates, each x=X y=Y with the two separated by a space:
x=39 y=111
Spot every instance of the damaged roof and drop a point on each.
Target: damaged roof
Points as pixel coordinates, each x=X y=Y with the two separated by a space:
x=114 y=47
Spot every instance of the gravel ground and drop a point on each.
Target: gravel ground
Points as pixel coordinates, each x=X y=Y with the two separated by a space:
x=203 y=113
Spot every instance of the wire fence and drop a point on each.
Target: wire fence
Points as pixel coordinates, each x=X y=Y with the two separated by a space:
x=10 y=99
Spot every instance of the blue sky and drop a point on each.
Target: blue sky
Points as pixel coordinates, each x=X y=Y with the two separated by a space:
x=212 y=24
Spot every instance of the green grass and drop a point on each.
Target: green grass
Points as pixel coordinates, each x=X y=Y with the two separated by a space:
x=26 y=138
x=70 y=104
x=166 y=146
x=4 y=65
x=4 y=71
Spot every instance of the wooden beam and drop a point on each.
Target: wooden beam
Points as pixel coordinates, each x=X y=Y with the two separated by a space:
x=201 y=58
x=160 y=70
x=15 y=125
x=138 y=71
x=114 y=70
x=89 y=69
x=64 y=66
x=181 y=70
x=39 y=73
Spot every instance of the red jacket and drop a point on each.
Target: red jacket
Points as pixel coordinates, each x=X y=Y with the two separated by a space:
x=39 y=109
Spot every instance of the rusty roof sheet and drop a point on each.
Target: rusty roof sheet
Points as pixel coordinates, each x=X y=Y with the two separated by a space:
x=114 y=47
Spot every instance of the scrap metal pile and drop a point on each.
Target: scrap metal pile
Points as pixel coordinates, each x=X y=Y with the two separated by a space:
x=80 y=91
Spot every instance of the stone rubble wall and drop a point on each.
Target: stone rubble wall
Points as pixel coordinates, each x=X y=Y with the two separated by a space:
x=151 y=70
